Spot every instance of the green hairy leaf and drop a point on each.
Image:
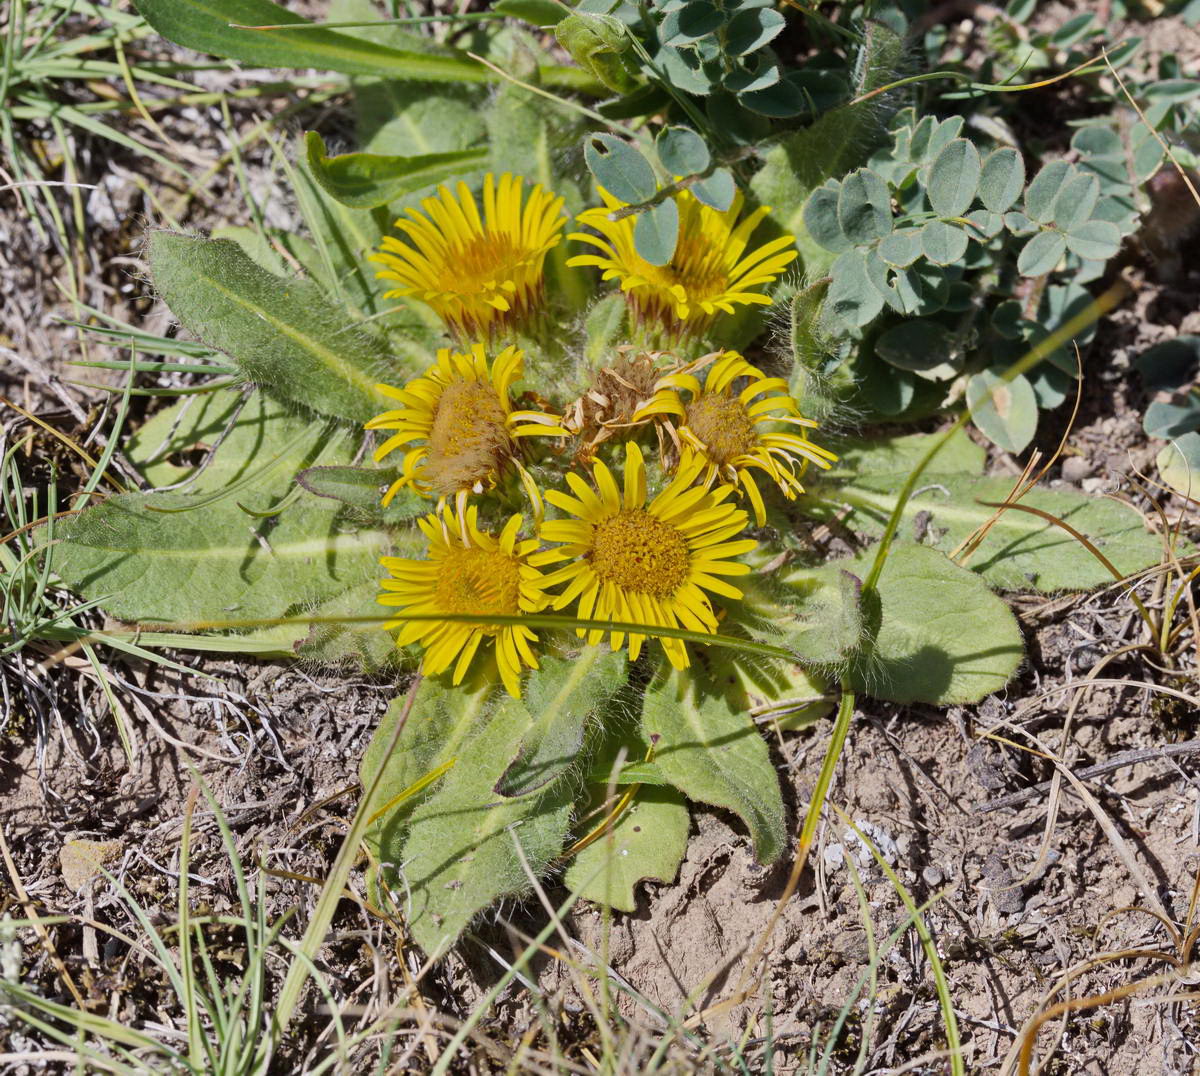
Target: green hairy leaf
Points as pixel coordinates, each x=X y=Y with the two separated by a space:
x=205 y=25
x=361 y=488
x=648 y=841
x=536 y=12
x=710 y=749
x=202 y=554
x=214 y=26
x=285 y=335
x=596 y=43
x=367 y=180
x=1021 y=551
x=941 y=636
x=458 y=851
x=561 y=696
x=442 y=719
x=899 y=455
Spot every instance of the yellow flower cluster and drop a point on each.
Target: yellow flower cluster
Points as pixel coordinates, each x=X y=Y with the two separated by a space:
x=638 y=564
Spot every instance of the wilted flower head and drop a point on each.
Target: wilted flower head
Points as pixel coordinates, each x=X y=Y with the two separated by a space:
x=609 y=406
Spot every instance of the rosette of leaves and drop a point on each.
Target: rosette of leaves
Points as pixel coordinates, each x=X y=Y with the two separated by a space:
x=946 y=266
x=260 y=514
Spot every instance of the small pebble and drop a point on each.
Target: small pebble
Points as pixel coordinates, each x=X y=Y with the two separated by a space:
x=1076 y=468
x=931 y=876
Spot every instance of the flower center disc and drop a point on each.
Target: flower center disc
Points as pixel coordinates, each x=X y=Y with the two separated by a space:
x=478 y=581
x=637 y=552
x=695 y=265
x=469 y=438
x=479 y=264
x=721 y=422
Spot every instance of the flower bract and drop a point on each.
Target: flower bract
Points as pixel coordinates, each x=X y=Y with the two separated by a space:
x=710 y=272
x=457 y=425
x=467 y=571
x=739 y=421
x=483 y=275
x=647 y=564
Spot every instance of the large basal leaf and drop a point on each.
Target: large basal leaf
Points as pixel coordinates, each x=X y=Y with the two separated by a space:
x=459 y=851
x=285 y=335
x=214 y=26
x=442 y=719
x=367 y=180
x=560 y=696
x=937 y=633
x=1022 y=551
x=899 y=455
x=200 y=553
x=154 y=558
x=176 y=443
x=708 y=747
x=648 y=841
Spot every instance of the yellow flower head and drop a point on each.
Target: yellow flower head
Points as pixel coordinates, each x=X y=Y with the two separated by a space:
x=467 y=571
x=459 y=425
x=644 y=563
x=733 y=432
x=709 y=272
x=482 y=275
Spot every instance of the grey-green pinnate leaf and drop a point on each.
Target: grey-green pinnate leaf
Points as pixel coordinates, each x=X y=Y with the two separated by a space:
x=864 y=207
x=657 y=232
x=954 y=178
x=619 y=168
x=1042 y=253
x=1001 y=179
x=1044 y=189
x=1096 y=240
x=1006 y=412
x=943 y=243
